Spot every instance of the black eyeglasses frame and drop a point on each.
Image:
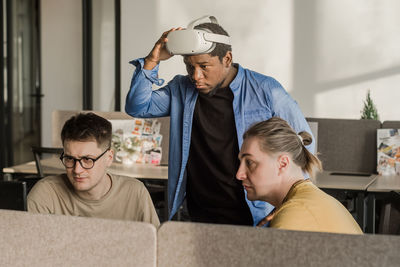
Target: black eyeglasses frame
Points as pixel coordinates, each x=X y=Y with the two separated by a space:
x=79 y=160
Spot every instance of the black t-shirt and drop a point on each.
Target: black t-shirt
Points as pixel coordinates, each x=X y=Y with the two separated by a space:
x=214 y=195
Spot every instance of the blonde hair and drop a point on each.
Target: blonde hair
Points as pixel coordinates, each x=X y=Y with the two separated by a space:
x=275 y=135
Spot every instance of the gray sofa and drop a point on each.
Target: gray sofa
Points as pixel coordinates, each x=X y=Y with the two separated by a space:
x=50 y=240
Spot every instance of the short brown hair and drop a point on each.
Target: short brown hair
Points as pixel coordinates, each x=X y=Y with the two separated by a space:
x=87 y=127
x=275 y=135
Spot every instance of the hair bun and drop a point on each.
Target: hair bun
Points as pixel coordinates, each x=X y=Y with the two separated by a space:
x=306 y=138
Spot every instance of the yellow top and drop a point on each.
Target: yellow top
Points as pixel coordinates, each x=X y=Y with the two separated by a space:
x=307 y=208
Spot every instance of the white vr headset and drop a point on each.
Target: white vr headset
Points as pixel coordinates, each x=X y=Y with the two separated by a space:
x=194 y=41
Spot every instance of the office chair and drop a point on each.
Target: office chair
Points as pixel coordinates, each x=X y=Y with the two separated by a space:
x=13 y=195
x=159 y=196
x=30 y=180
x=389 y=214
x=38 y=153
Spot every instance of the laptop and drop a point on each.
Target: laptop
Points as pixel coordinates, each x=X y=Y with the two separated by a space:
x=13 y=195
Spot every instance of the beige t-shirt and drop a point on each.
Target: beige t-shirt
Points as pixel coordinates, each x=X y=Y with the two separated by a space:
x=307 y=208
x=127 y=199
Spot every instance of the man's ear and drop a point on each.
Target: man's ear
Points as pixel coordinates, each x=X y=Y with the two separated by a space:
x=110 y=157
x=227 y=59
x=283 y=163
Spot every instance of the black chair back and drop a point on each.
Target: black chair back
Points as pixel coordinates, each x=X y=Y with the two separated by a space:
x=38 y=153
x=13 y=195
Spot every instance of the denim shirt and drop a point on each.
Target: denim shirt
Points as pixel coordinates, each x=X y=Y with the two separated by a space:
x=256 y=98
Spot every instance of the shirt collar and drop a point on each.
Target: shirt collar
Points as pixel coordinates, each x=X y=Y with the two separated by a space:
x=235 y=84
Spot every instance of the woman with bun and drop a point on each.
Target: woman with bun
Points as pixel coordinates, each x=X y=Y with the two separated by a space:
x=273 y=160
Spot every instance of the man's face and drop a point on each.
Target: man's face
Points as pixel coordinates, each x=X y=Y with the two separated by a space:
x=87 y=180
x=207 y=72
x=258 y=171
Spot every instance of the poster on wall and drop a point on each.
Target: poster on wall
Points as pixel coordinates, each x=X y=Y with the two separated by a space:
x=388 y=151
x=136 y=141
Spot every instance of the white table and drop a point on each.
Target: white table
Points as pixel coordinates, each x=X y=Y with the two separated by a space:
x=54 y=166
x=345 y=181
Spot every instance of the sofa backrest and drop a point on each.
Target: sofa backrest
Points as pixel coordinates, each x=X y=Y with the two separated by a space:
x=347 y=145
x=191 y=244
x=59 y=117
x=53 y=240
x=391 y=125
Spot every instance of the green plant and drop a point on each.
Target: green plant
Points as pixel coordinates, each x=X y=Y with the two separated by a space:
x=369 y=111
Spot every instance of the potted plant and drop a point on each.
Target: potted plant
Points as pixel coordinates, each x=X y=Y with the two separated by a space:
x=369 y=111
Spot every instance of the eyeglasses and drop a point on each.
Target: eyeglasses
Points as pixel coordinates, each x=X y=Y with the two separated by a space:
x=86 y=162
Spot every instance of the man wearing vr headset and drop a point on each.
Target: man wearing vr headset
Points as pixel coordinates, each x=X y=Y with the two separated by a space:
x=210 y=109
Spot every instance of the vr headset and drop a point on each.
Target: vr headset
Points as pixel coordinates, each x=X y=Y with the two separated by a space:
x=194 y=41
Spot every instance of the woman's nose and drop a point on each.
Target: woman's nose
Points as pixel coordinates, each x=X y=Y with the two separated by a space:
x=241 y=174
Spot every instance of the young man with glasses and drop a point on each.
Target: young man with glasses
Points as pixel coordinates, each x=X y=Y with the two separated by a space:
x=87 y=189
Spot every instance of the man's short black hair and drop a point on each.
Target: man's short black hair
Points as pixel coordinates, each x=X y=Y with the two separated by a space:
x=220 y=50
x=87 y=127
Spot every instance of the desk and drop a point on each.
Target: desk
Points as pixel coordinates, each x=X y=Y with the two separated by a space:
x=54 y=166
x=385 y=184
x=348 y=183
x=380 y=188
x=344 y=181
x=144 y=172
x=30 y=168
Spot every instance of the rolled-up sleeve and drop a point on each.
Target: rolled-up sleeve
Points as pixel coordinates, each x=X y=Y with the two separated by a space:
x=141 y=100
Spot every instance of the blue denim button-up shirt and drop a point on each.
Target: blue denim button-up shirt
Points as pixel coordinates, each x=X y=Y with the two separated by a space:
x=256 y=97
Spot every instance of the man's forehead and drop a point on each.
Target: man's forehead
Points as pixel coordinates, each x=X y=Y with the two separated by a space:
x=198 y=59
x=88 y=145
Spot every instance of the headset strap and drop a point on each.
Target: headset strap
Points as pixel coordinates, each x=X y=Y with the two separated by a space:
x=194 y=23
x=217 y=38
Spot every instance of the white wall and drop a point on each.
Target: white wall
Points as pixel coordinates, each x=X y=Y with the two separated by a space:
x=103 y=55
x=346 y=48
x=61 y=58
x=139 y=31
x=327 y=54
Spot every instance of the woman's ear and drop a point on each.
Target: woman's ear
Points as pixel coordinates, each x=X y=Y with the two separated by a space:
x=283 y=163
